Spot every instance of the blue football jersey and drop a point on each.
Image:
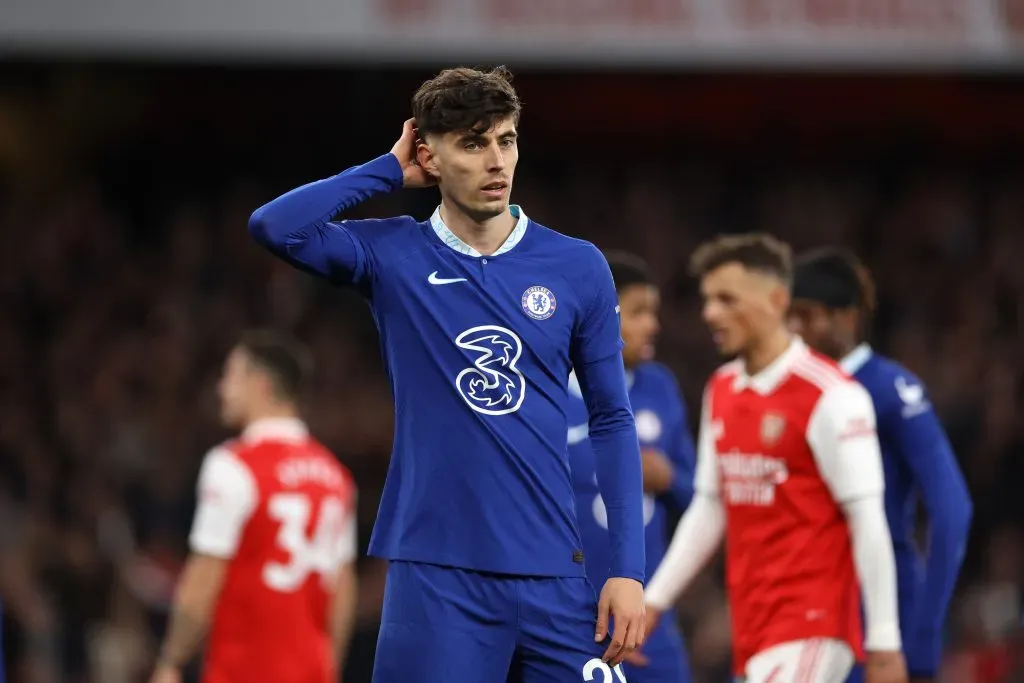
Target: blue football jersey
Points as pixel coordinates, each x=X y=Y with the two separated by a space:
x=919 y=465
x=661 y=424
x=478 y=351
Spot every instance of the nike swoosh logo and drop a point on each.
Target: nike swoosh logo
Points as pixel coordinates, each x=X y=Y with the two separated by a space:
x=578 y=433
x=435 y=280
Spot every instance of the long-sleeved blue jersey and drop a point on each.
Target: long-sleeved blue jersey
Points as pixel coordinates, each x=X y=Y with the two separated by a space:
x=478 y=350
x=918 y=461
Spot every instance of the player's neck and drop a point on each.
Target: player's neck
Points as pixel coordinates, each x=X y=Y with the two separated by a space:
x=485 y=236
x=765 y=351
x=845 y=350
x=272 y=411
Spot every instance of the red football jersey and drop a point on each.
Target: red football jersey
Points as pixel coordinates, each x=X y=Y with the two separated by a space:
x=281 y=507
x=783 y=449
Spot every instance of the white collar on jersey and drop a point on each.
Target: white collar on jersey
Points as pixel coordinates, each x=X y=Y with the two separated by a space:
x=852 y=362
x=276 y=428
x=765 y=381
x=456 y=243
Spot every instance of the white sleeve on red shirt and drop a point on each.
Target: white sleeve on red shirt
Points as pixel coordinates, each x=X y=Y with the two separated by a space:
x=842 y=435
x=227 y=498
x=841 y=432
x=701 y=529
x=348 y=543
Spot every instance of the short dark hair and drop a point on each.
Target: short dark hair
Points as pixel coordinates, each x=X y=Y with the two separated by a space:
x=757 y=251
x=628 y=269
x=465 y=99
x=287 y=362
x=834 y=277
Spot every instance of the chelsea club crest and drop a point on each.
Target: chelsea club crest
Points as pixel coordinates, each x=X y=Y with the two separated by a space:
x=539 y=302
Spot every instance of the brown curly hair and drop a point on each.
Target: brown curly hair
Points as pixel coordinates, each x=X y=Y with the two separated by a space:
x=465 y=99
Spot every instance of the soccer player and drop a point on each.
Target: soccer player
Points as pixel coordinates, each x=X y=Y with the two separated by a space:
x=482 y=314
x=667 y=453
x=789 y=472
x=271 y=572
x=833 y=299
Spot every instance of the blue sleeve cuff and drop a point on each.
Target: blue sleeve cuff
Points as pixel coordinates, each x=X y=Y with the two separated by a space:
x=387 y=168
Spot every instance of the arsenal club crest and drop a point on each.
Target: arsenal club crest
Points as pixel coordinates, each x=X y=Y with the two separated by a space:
x=772 y=426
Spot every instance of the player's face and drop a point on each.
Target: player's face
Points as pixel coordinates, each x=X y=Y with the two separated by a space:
x=814 y=324
x=741 y=306
x=638 y=313
x=831 y=332
x=475 y=170
x=234 y=388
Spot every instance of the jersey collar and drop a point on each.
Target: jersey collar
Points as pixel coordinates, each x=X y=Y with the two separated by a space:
x=456 y=243
x=768 y=379
x=276 y=429
x=852 y=362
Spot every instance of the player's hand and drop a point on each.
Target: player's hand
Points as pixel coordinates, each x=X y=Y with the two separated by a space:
x=652 y=617
x=885 y=667
x=166 y=674
x=658 y=470
x=622 y=600
x=404 y=150
x=637 y=658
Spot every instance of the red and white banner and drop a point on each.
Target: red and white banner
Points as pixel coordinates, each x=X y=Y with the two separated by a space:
x=801 y=33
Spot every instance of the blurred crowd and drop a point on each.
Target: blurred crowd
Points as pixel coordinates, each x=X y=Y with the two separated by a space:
x=128 y=275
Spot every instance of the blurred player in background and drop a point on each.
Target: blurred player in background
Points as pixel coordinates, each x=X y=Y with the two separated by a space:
x=789 y=471
x=833 y=299
x=482 y=314
x=271 y=573
x=668 y=460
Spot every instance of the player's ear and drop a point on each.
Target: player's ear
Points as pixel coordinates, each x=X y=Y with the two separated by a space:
x=426 y=158
x=780 y=299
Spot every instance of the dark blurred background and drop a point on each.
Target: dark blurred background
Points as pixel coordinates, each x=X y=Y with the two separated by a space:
x=129 y=163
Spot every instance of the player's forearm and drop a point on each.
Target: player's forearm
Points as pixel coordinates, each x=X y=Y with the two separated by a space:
x=343 y=612
x=192 y=608
x=617 y=462
x=949 y=520
x=949 y=509
x=876 y=569
x=299 y=217
x=695 y=541
x=186 y=629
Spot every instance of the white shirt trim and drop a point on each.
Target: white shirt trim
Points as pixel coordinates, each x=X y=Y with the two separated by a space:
x=455 y=242
x=852 y=362
x=276 y=429
x=768 y=379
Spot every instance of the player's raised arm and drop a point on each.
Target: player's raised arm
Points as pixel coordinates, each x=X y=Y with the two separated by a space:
x=922 y=444
x=699 y=533
x=296 y=226
x=842 y=434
